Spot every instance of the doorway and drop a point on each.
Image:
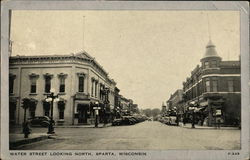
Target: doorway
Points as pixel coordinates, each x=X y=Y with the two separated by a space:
x=82 y=113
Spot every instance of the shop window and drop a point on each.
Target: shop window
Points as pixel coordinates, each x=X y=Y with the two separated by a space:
x=61 y=108
x=46 y=113
x=32 y=108
x=61 y=114
x=46 y=108
x=230 y=86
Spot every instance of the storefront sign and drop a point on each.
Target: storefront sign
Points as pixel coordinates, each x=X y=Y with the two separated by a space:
x=218 y=112
x=96 y=108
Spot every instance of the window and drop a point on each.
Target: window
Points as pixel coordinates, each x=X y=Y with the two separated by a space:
x=213 y=64
x=61 y=107
x=46 y=113
x=62 y=78
x=206 y=65
x=47 y=78
x=215 y=85
x=33 y=79
x=33 y=86
x=61 y=114
x=47 y=84
x=81 y=84
x=32 y=108
x=207 y=83
x=230 y=86
x=32 y=113
x=46 y=108
x=96 y=83
x=62 y=85
x=92 y=87
x=81 y=77
x=11 y=83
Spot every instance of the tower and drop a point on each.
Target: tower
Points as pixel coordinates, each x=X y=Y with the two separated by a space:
x=210 y=59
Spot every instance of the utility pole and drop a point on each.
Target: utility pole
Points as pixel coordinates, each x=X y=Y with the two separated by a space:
x=83 y=29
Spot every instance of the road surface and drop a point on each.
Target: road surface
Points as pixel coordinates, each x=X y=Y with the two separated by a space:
x=148 y=135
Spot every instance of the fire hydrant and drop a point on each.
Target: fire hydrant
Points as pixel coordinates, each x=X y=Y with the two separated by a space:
x=26 y=129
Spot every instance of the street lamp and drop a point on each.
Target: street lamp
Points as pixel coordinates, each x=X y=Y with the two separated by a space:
x=96 y=108
x=50 y=98
x=106 y=102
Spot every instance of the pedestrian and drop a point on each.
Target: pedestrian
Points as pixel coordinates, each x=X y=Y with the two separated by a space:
x=26 y=129
x=218 y=122
x=184 y=121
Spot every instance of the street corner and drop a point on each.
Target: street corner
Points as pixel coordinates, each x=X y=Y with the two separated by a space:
x=17 y=140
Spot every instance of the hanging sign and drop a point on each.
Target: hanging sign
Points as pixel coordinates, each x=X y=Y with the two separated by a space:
x=96 y=112
x=96 y=108
x=218 y=112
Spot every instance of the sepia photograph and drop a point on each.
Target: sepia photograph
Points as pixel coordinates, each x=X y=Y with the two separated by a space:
x=118 y=83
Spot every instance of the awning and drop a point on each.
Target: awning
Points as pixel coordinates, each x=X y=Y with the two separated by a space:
x=205 y=103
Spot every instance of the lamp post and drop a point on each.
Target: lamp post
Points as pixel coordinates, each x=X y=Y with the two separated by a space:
x=50 y=98
x=106 y=102
x=96 y=108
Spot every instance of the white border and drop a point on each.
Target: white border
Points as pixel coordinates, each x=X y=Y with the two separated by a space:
x=241 y=6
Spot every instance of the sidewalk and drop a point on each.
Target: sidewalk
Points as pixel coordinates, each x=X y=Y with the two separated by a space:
x=189 y=125
x=18 y=139
x=100 y=125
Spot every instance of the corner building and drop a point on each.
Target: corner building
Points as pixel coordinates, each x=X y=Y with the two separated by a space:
x=77 y=78
x=215 y=88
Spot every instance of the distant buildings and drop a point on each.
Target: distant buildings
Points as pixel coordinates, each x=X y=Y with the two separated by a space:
x=212 y=91
x=78 y=79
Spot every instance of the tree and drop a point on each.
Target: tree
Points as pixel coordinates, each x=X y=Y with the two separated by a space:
x=155 y=112
x=26 y=102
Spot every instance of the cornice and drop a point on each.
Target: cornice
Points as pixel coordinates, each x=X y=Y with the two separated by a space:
x=57 y=59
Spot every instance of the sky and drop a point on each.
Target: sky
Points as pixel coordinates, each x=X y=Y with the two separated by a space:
x=148 y=53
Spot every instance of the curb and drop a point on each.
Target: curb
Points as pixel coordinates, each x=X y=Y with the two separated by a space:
x=221 y=128
x=15 y=144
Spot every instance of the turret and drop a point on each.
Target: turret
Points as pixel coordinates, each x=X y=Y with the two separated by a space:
x=211 y=59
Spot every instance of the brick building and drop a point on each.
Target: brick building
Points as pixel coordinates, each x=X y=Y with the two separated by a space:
x=77 y=78
x=215 y=89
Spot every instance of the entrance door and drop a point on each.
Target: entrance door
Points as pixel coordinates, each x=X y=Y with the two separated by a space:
x=82 y=113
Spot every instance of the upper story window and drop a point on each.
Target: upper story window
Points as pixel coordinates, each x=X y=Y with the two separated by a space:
x=81 y=77
x=33 y=79
x=230 y=86
x=206 y=65
x=92 y=87
x=214 y=64
x=47 y=78
x=11 y=83
x=62 y=78
x=96 y=84
x=207 y=83
x=215 y=85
